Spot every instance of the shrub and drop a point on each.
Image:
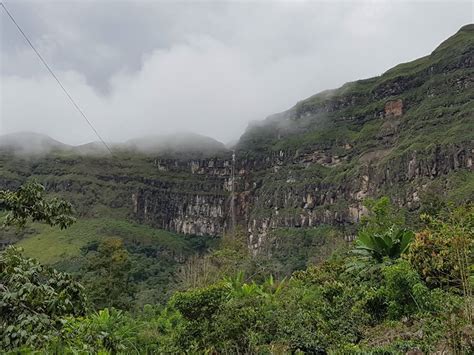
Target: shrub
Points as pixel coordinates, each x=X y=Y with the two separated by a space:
x=391 y=243
x=107 y=331
x=404 y=292
x=319 y=318
x=443 y=252
x=33 y=300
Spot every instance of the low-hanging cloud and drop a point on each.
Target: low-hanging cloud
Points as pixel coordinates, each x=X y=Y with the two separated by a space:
x=208 y=71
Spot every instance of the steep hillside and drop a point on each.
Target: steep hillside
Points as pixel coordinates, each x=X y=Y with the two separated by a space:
x=407 y=133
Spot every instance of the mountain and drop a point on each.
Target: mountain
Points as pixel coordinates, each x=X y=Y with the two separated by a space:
x=94 y=148
x=407 y=134
x=407 y=93
x=30 y=143
x=178 y=143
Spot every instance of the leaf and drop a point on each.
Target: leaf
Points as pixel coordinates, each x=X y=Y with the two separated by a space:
x=406 y=238
x=366 y=241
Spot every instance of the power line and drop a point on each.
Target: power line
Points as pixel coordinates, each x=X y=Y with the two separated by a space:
x=55 y=77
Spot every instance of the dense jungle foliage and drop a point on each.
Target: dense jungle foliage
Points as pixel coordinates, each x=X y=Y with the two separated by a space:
x=393 y=291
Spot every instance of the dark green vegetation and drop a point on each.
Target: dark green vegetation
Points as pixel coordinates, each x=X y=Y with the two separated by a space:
x=29 y=203
x=154 y=256
x=418 y=298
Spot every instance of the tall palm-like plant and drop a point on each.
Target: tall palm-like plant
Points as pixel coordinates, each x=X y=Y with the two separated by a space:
x=391 y=243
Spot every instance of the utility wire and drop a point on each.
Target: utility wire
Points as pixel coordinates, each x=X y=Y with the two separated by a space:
x=55 y=77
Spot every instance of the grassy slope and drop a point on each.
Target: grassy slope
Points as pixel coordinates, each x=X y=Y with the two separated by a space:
x=51 y=245
x=156 y=255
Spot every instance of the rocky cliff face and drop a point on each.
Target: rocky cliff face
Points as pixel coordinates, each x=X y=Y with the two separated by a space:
x=275 y=196
x=297 y=202
x=203 y=210
x=404 y=134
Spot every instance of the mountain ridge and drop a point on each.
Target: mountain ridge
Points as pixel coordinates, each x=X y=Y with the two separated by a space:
x=28 y=143
x=407 y=134
x=457 y=47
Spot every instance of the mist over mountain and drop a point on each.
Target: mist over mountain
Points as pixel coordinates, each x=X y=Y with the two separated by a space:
x=175 y=143
x=29 y=143
x=34 y=144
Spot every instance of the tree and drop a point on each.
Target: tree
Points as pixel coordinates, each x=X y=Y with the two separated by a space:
x=443 y=252
x=34 y=299
x=29 y=203
x=382 y=215
x=229 y=259
x=107 y=275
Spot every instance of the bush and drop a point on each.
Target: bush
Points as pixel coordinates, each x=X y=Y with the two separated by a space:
x=404 y=292
x=319 y=318
x=444 y=251
x=34 y=300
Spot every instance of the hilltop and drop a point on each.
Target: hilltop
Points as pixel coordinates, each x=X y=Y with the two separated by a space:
x=30 y=143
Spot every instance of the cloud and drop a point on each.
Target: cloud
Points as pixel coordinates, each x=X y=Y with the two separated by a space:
x=140 y=68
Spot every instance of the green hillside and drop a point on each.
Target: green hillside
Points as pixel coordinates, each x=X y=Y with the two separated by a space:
x=156 y=255
x=435 y=91
x=408 y=134
x=50 y=245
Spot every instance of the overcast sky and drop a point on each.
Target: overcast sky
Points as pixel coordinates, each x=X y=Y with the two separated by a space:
x=142 y=67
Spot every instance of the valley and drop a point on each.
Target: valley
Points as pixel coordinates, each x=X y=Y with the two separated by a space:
x=323 y=229
x=406 y=134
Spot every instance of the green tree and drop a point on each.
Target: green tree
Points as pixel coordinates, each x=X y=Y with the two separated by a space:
x=403 y=290
x=382 y=215
x=231 y=257
x=34 y=298
x=108 y=275
x=29 y=203
x=443 y=252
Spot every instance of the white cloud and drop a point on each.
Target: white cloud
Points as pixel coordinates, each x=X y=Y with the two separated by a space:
x=204 y=68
